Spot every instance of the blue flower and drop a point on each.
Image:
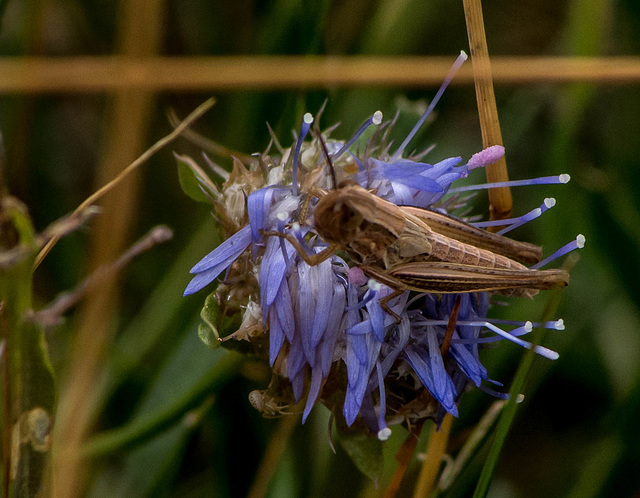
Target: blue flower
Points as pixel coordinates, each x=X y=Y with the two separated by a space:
x=328 y=333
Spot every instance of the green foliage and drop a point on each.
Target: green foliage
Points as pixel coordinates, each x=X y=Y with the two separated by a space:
x=210 y=314
x=192 y=180
x=366 y=451
x=31 y=382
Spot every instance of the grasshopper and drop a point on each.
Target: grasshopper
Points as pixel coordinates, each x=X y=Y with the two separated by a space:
x=409 y=248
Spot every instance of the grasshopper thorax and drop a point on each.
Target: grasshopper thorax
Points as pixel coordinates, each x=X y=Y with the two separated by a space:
x=352 y=218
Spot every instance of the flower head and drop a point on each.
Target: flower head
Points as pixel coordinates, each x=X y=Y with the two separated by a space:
x=377 y=354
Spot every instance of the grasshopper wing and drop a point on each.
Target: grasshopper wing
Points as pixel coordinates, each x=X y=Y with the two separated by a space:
x=454 y=228
x=446 y=278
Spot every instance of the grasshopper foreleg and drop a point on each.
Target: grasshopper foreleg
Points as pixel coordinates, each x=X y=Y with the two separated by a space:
x=310 y=259
x=383 y=304
x=314 y=192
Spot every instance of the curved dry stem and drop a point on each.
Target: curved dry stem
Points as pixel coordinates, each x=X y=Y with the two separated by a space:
x=160 y=144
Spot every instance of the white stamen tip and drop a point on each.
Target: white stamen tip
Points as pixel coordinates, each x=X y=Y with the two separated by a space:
x=549 y=202
x=374 y=285
x=383 y=434
x=282 y=216
x=580 y=240
x=564 y=178
x=528 y=326
x=295 y=226
x=464 y=55
x=559 y=324
x=547 y=353
x=376 y=119
x=308 y=118
x=519 y=398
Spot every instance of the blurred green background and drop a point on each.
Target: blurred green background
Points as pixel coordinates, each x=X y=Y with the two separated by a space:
x=577 y=432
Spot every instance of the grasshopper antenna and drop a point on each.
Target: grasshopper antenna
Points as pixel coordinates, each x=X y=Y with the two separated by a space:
x=332 y=170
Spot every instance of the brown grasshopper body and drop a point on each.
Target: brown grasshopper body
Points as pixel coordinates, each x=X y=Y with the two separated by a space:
x=409 y=248
x=419 y=249
x=454 y=228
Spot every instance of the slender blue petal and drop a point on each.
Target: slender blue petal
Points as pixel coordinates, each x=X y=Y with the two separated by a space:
x=470 y=364
x=419 y=182
x=314 y=390
x=360 y=328
x=223 y=255
x=351 y=407
x=376 y=317
x=214 y=263
x=284 y=310
x=305 y=308
x=258 y=204
x=272 y=270
x=323 y=281
x=297 y=384
x=327 y=345
x=402 y=339
x=276 y=336
x=296 y=357
x=441 y=380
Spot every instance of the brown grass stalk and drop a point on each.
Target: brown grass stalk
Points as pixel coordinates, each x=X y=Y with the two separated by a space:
x=85 y=74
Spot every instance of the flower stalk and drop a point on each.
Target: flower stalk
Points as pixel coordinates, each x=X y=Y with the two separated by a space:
x=500 y=201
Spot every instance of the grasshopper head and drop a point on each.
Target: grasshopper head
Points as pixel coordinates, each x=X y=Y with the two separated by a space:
x=336 y=219
x=359 y=221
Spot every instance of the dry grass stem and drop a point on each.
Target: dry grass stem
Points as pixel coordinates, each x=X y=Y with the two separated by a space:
x=38 y=75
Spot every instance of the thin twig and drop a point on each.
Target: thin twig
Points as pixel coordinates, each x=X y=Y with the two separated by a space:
x=198 y=112
x=53 y=314
x=206 y=143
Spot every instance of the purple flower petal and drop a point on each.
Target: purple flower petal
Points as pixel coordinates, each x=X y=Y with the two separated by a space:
x=327 y=345
x=351 y=407
x=223 y=255
x=419 y=182
x=276 y=336
x=284 y=310
x=314 y=389
x=441 y=380
x=258 y=204
x=423 y=370
x=272 y=270
x=304 y=309
x=323 y=280
x=296 y=358
x=376 y=317
x=403 y=333
x=469 y=364
x=297 y=384
x=214 y=263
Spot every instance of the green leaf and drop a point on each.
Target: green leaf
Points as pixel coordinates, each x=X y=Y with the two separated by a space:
x=193 y=180
x=210 y=314
x=364 y=449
